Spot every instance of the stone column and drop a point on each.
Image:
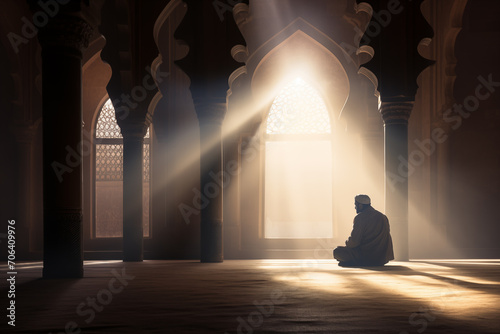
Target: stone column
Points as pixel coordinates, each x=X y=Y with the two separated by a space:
x=395 y=116
x=133 y=139
x=63 y=41
x=211 y=113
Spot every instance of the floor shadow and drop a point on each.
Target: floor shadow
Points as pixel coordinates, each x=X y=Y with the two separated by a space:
x=385 y=268
x=407 y=271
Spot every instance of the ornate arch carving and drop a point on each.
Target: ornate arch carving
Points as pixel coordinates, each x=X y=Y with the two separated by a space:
x=278 y=67
x=442 y=46
x=338 y=52
x=169 y=50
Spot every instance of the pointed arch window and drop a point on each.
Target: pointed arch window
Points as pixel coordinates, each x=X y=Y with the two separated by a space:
x=108 y=222
x=298 y=165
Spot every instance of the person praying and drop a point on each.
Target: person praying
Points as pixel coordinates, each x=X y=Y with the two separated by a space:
x=370 y=242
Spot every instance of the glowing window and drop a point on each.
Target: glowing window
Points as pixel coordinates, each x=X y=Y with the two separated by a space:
x=298 y=109
x=298 y=165
x=109 y=176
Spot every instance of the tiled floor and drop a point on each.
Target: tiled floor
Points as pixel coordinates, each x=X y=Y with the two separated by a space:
x=260 y=296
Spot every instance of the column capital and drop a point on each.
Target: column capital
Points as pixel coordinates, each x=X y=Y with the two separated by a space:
x=210 y=111
x=66 y=31
x=132 y=130
x=396 y=112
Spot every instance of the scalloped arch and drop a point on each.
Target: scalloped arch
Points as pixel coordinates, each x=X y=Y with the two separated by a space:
x=300 y=54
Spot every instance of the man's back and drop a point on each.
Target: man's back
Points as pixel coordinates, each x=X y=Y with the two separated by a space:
x=371 y=236
x=370 y=242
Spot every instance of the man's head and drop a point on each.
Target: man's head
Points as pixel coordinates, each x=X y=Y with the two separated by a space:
x=361 y=202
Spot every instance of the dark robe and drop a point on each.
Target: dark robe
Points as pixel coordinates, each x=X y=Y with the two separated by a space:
x=370 y=243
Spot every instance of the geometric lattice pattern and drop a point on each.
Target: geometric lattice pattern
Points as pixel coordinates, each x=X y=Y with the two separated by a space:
x=298 y=109
x=109 y=162
x=145 y=165
x=107 y=127
x=109 y=147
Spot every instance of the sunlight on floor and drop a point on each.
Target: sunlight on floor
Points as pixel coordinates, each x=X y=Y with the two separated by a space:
x=435 y=287
x=39 y=264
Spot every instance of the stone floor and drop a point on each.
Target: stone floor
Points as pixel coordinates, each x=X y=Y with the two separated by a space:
x=259 y=296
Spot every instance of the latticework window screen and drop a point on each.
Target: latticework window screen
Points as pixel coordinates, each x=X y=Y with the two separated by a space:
x=298 y=109
x=109 y=147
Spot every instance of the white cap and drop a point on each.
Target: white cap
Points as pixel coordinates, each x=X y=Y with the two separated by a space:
x=362 y=199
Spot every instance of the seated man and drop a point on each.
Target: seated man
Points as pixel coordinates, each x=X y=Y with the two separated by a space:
x=370 y=243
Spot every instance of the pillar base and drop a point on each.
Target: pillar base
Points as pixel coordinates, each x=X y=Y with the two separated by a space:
x=63 y=247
